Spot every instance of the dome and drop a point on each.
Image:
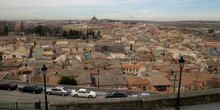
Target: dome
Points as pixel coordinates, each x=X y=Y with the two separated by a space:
x=94 y=18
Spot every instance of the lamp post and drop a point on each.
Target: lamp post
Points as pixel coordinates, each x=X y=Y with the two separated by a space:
x=26 y=72
x=44 y=72
x=174 y=82
x=181 y=61
x=98 y=77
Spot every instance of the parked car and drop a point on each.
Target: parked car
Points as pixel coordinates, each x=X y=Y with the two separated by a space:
x=33 y=88
x=83 y=93
x=141 y=94
x=116 y=94
x=8 y=85
x=58 y=90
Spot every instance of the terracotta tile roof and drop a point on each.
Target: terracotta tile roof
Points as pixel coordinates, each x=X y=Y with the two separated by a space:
x=2 y=75
x=187 y=79
x=212 y=41
x=84 y=78
x=110 y=79
x=137 y=81
x=158 y=80
x=133 y=66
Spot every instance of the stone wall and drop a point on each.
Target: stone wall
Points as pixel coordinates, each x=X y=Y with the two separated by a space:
x=152 y=102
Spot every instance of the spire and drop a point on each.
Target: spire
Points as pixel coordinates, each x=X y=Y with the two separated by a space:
x=94 y=18
x=22 y=27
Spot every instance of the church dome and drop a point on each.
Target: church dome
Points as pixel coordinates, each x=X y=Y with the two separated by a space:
x=94 y=18
x=94 y=21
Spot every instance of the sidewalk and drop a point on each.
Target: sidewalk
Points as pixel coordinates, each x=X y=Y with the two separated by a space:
x=210 y=106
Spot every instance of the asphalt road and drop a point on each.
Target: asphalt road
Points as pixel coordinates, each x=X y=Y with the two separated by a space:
x=16 y=95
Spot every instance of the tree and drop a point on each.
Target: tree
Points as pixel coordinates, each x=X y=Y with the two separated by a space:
x=5 y=30
x=39 y=30
x=105 y=48
x=65 y=34
x=131 y=47
x=98 y=33
x=21 y=27
x=67 y=81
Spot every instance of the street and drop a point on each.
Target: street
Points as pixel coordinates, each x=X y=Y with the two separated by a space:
x=16 y=95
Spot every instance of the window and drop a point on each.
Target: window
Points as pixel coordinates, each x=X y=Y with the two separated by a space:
x=13 y=56
x=82 y=92
x=161 y=88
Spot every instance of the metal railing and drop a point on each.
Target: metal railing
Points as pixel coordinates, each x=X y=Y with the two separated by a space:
x=22 y=106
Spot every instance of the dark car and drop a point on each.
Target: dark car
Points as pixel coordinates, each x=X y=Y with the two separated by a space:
x=33 y=88
x=116 y=94
x=8 y=85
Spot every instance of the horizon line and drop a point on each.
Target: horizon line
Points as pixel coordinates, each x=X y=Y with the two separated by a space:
x=103 y=19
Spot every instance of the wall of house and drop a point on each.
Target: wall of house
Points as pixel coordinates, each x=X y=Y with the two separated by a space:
x=6 y=47
x=113 y=86
x=189 y=87
x=142 y=86
x=9 y=68
x=38 y=52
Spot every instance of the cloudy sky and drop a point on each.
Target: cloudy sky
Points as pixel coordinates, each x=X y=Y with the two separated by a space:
x=158 y=10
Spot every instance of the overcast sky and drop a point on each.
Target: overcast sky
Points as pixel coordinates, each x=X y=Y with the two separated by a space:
x=158 y=10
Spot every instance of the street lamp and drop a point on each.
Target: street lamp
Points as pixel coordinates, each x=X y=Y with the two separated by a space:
x=98 y=77
x=26 y=72
x=44 y=72
x=181 y=61
x=174 y=82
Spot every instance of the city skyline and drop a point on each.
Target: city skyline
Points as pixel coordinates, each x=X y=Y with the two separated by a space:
x=154 y=10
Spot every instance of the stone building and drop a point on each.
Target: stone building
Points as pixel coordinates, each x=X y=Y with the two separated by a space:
x=11 y=66
x=78 y=27
x=93 y=21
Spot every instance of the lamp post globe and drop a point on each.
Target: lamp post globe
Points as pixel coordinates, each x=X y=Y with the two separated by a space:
x=44 y=70
x=181 y=61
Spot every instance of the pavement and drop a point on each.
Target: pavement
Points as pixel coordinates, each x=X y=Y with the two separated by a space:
x=210 y=106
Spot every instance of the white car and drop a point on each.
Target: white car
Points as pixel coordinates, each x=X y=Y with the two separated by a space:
x=141 y=95
x=83 y=93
